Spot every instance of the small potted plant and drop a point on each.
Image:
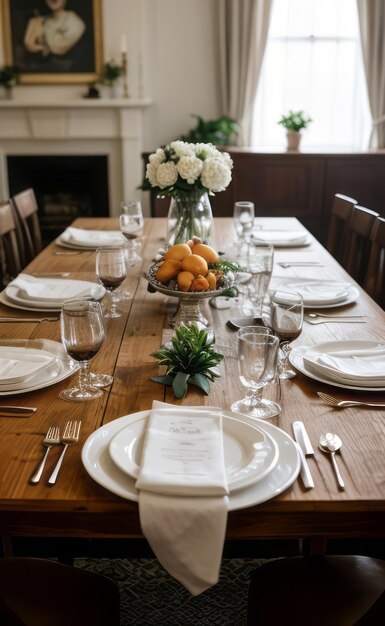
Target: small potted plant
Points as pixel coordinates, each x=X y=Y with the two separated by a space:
x=110 y=77
x=9 y=77
x=294 y=122
x=219 y=132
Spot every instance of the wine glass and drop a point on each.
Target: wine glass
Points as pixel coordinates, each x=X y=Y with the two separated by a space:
x=286 y=322
x=111 y=270
x=82 y=334
x=257 y=362
x=243 y=216
x=131 y=225
x=259 y=264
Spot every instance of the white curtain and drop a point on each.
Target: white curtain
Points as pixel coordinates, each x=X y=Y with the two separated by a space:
x=243 y=29
x=372 y=26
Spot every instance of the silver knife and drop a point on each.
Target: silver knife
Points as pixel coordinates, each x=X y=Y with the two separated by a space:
x=304 y=448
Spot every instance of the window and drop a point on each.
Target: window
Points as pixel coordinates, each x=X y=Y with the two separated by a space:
x=313 y=63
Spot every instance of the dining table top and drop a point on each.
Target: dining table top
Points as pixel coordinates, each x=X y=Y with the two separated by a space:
x=76 y=506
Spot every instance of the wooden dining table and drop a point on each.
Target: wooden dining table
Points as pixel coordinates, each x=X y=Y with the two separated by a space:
x=76 y=506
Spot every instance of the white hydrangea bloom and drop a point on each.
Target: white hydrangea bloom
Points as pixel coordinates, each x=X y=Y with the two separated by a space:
x=157 y=157
x=181 y=148
x=151 y=171
x=206 y=149
x=216 y=175
x=227 y=159
x=166 y=174
x=189 y=168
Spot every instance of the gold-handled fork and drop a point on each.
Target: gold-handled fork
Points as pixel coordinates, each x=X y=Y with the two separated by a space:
x=70 y=436
x=52 y=438
x=341 y=404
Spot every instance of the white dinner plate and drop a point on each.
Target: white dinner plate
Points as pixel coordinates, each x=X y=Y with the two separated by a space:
x=13 y=297
x=65 y=242
x=100 y=466
x=23 y=364
x=296 y=359
x=61 y=367
x=250 y=453
x=352 y=294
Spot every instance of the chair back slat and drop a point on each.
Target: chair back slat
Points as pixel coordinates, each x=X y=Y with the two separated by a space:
x=341 y=213
x=29 y=232
x=10 y=260
x=359 y=242
x=374 y=281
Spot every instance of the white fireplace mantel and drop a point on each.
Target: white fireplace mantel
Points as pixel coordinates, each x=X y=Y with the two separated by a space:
x=110 y=127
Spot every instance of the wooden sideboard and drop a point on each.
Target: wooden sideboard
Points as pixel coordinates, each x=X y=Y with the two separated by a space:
x=298 y=184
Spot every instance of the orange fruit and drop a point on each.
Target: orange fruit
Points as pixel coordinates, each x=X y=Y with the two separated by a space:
x=185 y=280
x=167 y=270
x=200 y=284
x=195 y=264
x=212 y=280
x=178 y=252
x=205 y=251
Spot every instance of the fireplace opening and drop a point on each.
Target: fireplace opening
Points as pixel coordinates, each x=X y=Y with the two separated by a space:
x=66 y=187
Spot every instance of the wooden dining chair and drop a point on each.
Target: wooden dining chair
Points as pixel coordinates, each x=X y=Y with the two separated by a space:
x=322 y=590
x=358 y=242
x=28 y=225
x=341 y=212
x=10 y=259
x=38 y=592
x=374 y=281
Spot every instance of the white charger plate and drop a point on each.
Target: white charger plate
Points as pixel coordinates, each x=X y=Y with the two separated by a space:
x=29 y=363
x=61 y=368
x=296 y=359
x=100 y=466
x=250 y=453
x=352 y=294
x=12 y=296
x=65 y=243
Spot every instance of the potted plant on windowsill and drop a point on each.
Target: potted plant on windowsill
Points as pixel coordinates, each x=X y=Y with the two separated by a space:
x=9 y=77
x=294 y=122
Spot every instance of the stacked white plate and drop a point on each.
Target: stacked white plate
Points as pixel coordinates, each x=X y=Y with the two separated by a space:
x=282 y=239
x=47 y=294
x=24 y=368
x=323 y=294
x=82 y=239
x=261 y=460
x=350 y=364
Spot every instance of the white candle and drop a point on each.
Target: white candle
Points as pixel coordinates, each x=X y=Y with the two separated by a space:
x=123 y=43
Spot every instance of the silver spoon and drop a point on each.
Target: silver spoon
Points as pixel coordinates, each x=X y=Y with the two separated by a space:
x=341 y=316
x=331 y=443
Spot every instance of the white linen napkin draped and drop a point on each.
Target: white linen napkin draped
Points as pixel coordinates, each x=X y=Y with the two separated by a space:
x=356 y=367
x=182 y=493
x=49 y=290
x=92 y=238
x=280 y=237
x=314 y=294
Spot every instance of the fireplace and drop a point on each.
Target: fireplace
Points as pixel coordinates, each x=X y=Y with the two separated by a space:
x=66 y=187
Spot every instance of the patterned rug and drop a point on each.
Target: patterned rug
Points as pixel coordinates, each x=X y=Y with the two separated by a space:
x=151 y=597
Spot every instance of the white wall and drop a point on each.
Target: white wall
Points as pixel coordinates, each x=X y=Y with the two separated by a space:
x=171 y=59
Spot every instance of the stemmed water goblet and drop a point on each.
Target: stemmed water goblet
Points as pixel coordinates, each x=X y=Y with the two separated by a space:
x=286 y=309
x=243 y=217
x=259 y=264
x=257 y=362
x=82 y=334
x=131 y=225
x=111 y=270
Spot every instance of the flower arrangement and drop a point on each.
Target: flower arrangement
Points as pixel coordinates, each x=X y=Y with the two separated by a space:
x=295 y=121
x=111 y=72
x=184 y=168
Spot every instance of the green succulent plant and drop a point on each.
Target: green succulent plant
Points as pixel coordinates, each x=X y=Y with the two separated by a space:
x=295 y=120
x=189 y=359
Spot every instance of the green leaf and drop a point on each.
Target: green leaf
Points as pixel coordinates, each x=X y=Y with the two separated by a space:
x=201 y=381
x=163 y=380
x=179 y=384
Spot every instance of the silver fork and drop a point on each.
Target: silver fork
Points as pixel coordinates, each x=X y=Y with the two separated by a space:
x=70 y=436
x=340 y=404
x=52 y=438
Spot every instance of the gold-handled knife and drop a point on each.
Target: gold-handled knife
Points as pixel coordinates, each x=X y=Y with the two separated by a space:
x=17 y=411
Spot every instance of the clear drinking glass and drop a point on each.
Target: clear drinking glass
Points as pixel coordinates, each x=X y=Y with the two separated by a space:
x=243 y=216
x=131 y=226
x=82 y=334
x=286 y=308
x=111 y=270
x=259 y=263
x=257 y=362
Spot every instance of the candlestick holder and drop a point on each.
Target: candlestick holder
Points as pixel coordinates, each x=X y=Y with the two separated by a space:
x=125 y=81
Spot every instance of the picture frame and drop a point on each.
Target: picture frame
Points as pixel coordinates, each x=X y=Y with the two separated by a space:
x=53 y=41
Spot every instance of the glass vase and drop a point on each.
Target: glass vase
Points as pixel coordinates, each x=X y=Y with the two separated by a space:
x=189 y=215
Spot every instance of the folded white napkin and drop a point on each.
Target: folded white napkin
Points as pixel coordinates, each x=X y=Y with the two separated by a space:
x=322 y=292
x=19 y=364
x=6 y=365
x=182 y=493
x=277 y=237
x=92 y=238
x=360 y=367
x=49 y=289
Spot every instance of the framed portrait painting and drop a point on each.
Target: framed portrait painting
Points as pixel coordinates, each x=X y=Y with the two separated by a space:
x=53 y=41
